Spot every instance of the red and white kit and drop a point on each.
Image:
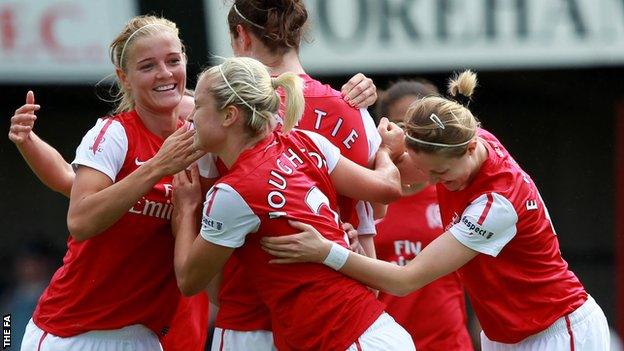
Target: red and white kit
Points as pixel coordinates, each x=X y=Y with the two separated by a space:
x=519 y=285
x=287 y=177
x=123 y=276
x=353 y=131
x=435 y=315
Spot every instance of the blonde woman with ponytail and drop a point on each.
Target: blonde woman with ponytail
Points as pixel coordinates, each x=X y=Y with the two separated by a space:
x=271 y=31
x=116 y=288
x=498 y=236
x=276 y=175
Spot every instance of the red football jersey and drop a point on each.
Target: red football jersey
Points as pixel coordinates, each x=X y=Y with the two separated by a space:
x=124 y=275
x=519 y=284
x=287 y=177
x=352 y=130
x=354 y=133
x=435 y=315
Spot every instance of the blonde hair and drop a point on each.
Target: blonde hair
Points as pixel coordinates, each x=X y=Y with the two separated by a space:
x=137 y=27
x=246 y=83
x=441 y=125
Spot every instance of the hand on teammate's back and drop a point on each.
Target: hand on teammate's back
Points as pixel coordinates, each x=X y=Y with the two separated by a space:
x=177 y=152
x=23 y=120
x=359 y=91
x=306 y=246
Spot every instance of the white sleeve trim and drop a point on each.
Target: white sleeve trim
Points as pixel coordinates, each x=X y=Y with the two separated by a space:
x=366 y=221
x=372 y=134
x=111 y=148
x=207 y=166
x=487 y=224
x=227 y=218
x=329 y=150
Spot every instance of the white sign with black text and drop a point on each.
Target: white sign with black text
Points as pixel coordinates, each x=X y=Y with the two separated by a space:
x=425 y=35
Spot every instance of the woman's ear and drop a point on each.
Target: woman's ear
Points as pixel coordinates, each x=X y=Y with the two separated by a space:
x=472 y=146
x=232 y=114
x=244 y=37
x=123 y=78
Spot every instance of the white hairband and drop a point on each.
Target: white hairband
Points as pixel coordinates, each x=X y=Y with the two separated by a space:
x=252 y=108
x=436 y=144
x=123 y=49
x=245 y=18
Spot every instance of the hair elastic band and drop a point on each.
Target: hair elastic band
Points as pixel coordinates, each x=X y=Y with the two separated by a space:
x=245 y=18
x=409 y=137
x=123 y=49
x=252 y=108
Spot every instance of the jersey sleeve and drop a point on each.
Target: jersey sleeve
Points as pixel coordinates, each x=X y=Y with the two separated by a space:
x=372 y=135
x=227 y=219
x=487 y=224
x=366 y=221
x=207 y=166
x=103 y=148
x=329 y=150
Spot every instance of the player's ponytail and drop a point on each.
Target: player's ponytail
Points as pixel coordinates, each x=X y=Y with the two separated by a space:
x=462 y=86
x=293 y=89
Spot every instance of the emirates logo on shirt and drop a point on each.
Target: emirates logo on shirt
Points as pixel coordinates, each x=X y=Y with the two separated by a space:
x=153 y=208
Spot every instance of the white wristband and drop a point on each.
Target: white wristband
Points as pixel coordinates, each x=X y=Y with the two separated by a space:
x=337 y=256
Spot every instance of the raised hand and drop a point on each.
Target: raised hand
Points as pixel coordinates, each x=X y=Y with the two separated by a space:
x=23 y=120
x=392 y=137
x=187 y=197
x=359 y=91
x=187 y=189
x=177 y=152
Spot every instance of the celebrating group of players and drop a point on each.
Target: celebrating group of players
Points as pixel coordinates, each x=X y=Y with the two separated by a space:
x=247 y=191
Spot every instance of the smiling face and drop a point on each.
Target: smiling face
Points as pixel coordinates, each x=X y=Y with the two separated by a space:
x=453 y=172
x=155 y=73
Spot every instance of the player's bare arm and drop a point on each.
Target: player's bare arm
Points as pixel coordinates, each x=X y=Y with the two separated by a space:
x=45 y=161
x=379 y=185
x=196 y=261
x=310 y=246
x=96 y=202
